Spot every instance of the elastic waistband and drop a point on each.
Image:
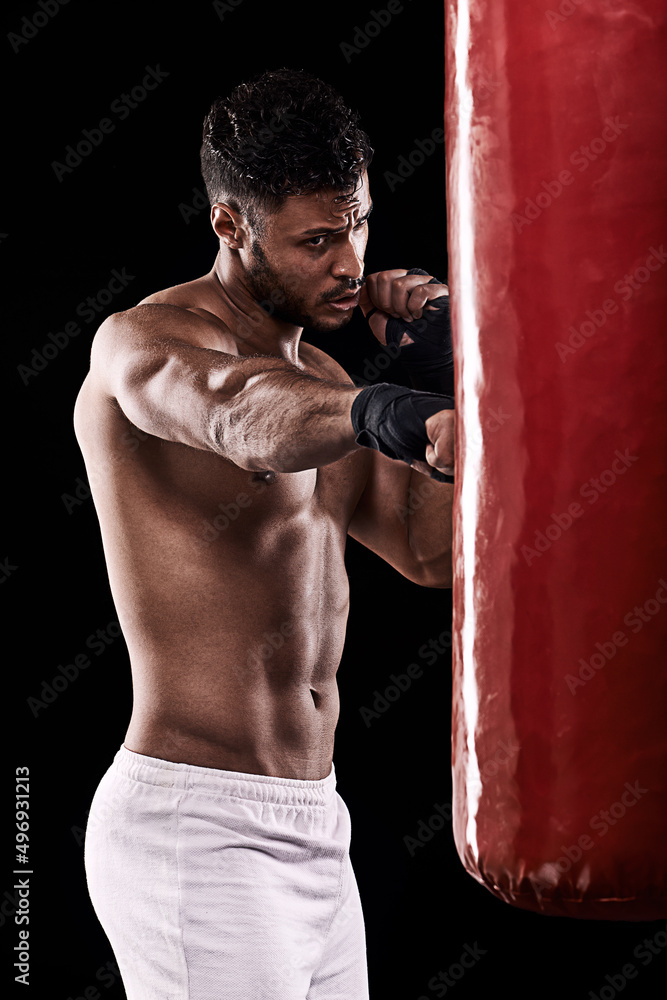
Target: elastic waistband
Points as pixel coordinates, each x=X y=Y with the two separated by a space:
x=256 y=787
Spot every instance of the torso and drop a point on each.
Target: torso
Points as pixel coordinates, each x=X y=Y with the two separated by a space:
x=230 y=588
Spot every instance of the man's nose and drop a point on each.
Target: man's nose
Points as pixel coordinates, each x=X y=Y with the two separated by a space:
x=349 y=262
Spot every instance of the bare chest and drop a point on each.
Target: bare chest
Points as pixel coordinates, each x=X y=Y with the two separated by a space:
x=136 y=477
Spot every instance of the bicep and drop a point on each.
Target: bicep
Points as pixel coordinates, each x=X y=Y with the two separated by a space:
x=405 y=518
x=380 y=519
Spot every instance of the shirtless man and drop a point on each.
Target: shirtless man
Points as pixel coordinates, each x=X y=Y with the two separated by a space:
x=228 y=463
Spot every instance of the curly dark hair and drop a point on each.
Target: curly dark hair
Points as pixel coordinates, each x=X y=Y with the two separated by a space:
x=284 y=133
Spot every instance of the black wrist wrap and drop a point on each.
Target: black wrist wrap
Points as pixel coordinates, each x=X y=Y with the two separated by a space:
x=391 y=419
x=429 y=361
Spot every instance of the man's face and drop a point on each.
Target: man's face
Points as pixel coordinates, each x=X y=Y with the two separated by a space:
x=309 y=262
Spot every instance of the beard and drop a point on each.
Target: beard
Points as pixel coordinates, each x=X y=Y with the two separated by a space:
x=274 y=295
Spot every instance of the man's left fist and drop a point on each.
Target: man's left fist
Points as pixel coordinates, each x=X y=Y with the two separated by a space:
x=399 y=294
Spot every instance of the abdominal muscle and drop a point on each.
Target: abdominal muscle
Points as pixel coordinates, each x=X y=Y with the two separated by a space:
x=233 y=599
x=237 y=669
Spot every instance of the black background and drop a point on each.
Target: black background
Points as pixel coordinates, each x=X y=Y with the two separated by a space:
x=132 y=204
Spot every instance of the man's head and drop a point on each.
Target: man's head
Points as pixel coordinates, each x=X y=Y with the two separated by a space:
x=284 y=162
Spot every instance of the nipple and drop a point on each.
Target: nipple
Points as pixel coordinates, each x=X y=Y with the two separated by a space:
x=265 y=476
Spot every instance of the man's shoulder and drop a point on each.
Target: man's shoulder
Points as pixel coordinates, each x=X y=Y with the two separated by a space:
x=148 y=327
x=179 y=313
x=186 y=295
x=193 y=299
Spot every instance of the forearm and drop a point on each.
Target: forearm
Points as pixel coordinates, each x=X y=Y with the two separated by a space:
x=285 y=420
x=412 y=315
x=405 y=515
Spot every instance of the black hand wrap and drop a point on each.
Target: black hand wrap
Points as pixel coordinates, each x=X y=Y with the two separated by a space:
x=429 y=361
x=391 y=419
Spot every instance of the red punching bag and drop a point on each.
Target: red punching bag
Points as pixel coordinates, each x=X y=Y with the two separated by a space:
x=556 y=150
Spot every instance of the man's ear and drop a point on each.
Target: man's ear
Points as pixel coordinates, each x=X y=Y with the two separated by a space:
x=229 y=225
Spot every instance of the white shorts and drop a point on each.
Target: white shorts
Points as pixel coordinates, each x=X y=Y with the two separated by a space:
x=220 y=885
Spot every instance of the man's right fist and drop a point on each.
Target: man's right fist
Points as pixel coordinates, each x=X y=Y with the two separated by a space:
x=440 y=427
x=395 y=420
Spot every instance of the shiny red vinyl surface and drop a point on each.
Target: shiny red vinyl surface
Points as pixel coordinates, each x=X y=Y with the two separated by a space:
x=556 y=148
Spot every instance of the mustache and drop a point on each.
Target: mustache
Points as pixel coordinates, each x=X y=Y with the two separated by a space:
x=345 y=287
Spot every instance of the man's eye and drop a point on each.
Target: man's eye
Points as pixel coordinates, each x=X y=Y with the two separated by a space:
x=318 y=241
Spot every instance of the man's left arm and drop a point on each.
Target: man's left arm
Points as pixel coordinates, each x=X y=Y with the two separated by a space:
x=404 y=515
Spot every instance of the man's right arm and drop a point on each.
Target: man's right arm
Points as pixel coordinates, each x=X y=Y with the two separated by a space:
x=260 y=412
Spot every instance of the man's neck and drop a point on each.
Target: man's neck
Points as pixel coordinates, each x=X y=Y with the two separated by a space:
x=254 y=330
